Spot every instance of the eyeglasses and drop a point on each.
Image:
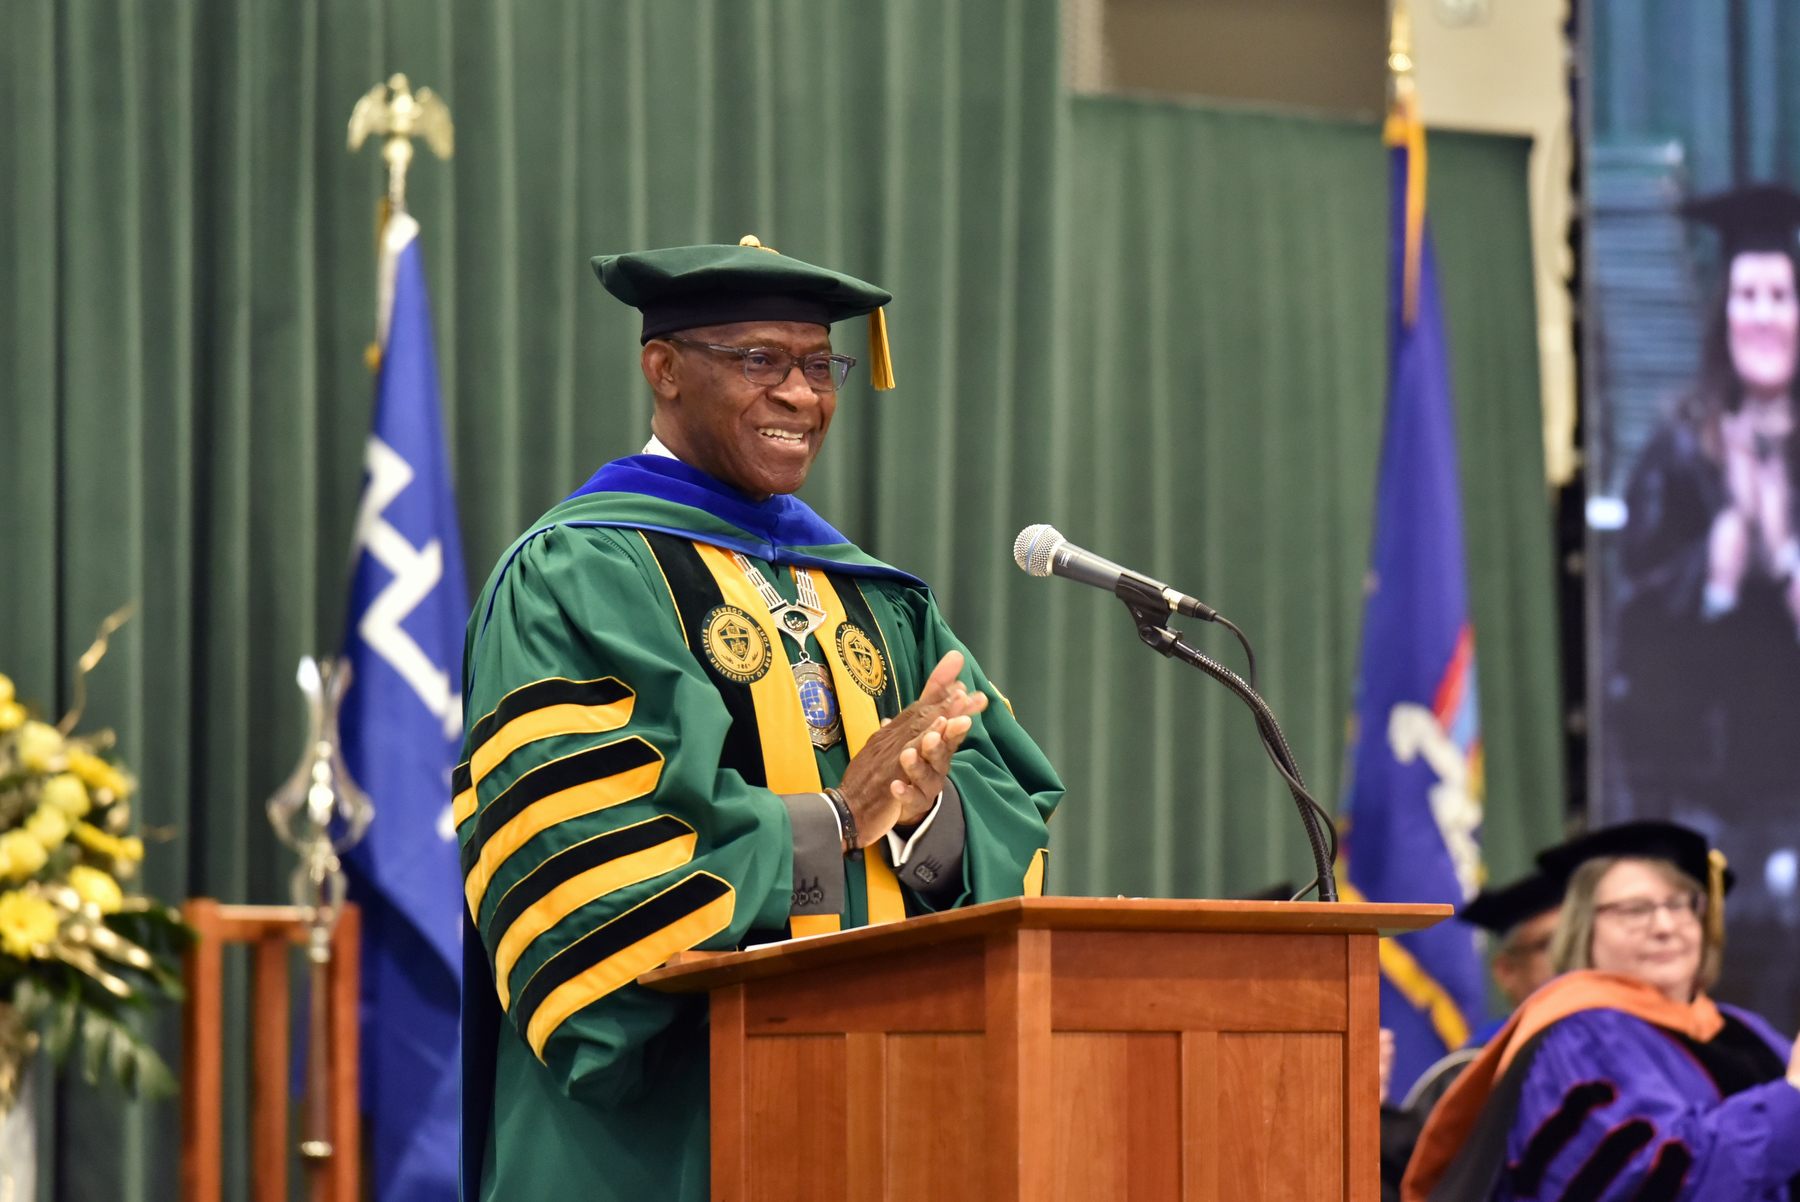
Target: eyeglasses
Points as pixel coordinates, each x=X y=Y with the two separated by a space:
x=1635 y=913
x=1525 y=949
x=770 y=365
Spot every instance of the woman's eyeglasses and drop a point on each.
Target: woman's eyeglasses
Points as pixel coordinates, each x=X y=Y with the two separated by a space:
x=1636 y=912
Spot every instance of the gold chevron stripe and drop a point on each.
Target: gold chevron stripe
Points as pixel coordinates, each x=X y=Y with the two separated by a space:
x=625 y=966
x=577 y=892
x=586 y=798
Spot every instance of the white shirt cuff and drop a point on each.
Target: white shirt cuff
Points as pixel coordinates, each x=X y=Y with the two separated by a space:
x=898 y=852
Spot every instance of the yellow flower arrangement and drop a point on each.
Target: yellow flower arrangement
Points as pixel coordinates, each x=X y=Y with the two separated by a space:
x=12 y=714
x=67 y=794
x=98 y=888
x=49 y=826
x=100 y=775
x=77 y=953
x=20 y=855
x=28 y=925
x=128 y=847
x=39 y=747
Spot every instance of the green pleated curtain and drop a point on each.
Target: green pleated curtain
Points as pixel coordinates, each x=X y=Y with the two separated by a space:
x=1159 y=326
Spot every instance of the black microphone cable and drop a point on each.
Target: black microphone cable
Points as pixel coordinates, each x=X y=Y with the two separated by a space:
x=1149 y=610
x=1321 y=828
x=1249 y=655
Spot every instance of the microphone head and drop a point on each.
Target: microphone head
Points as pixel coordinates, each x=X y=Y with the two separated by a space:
x=1034 y=547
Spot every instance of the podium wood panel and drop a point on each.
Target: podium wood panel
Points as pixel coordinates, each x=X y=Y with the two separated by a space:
x=1116 y=1115
x=1056 y=1048
x=1285 y=1094
x=936 y=1118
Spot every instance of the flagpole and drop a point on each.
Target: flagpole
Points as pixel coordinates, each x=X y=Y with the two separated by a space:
x=404 y=636
x=1413 y=797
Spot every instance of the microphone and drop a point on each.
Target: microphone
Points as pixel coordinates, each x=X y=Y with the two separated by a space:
x=1041 y=551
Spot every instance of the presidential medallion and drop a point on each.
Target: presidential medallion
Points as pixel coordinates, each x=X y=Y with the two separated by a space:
x=734 y=644
x=819 y=703
x=860 y=657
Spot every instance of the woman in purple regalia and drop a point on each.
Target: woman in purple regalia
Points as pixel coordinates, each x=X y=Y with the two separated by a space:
x=1620 y=1079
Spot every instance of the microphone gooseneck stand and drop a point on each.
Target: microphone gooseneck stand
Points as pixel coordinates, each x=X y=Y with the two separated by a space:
x=1150 y=611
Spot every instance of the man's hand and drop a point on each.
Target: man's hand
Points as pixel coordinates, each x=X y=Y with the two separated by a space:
x=896 y=777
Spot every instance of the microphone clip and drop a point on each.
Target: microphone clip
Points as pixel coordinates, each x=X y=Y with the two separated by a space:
x=1149 y=608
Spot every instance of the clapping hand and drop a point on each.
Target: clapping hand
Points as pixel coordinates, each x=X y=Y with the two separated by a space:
x=896 y=777
x=1733 y=535
x=1756 y=524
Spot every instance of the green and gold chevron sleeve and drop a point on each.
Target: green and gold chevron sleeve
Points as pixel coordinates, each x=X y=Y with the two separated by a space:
x=1006 y=785
x=598 y=834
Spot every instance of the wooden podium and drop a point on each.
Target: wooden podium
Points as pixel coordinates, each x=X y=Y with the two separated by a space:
x=1053 y=1048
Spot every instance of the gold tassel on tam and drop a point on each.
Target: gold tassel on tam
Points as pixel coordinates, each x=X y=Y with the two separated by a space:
x=1715 y=898
x=881 y=362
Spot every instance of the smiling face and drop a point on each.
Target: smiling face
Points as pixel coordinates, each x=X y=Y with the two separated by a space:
x=760 y=439
x=1665 y=949
x=1763 y=320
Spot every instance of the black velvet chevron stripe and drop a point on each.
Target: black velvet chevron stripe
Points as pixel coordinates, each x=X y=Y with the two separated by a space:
x=541 y=693
x=695 y=593
x=461 y=779
x=1609 y=1160
x=856 y=608
x=573 y=861
x=596 y=763
x=1554 y=1134
x=666 y=908
x=1667 y=1175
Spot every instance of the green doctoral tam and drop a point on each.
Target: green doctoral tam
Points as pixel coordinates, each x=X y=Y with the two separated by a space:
x=684 y=287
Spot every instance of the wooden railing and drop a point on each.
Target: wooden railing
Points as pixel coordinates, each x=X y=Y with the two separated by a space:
x=271 y=931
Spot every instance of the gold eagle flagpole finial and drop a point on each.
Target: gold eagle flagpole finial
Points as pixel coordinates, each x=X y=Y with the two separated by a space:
x=393 y=109
x=1406 y=128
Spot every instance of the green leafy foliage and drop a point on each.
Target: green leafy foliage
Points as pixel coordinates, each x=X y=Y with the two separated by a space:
x=106 y=1046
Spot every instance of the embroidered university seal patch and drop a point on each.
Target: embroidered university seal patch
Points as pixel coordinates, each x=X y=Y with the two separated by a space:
x=861 y=658
x=734 y=644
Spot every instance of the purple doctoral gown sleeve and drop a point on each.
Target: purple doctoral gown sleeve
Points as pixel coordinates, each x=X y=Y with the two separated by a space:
x=1614 y=1109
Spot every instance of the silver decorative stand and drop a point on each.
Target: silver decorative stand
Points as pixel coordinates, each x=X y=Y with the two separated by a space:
x=320 y=813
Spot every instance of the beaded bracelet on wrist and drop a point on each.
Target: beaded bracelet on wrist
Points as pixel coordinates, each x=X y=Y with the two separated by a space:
x=846 y=819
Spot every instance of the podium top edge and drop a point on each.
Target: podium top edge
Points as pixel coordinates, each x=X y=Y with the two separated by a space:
x=694 y=972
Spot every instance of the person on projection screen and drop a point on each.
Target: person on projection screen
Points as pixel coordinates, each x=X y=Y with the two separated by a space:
x=1707 y=672
x=699 y=717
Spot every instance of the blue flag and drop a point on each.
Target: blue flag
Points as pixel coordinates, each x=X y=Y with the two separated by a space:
x=1414 y=804
x=402 y=729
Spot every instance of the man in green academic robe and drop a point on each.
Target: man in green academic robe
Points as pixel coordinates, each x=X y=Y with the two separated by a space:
x=699 y=717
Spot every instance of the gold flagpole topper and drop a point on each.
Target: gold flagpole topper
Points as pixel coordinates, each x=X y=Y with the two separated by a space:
x=393 y=109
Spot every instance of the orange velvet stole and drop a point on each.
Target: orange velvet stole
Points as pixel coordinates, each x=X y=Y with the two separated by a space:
x=1454 y=1117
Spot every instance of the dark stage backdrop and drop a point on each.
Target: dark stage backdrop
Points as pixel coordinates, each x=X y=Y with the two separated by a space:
x=1158 y=326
